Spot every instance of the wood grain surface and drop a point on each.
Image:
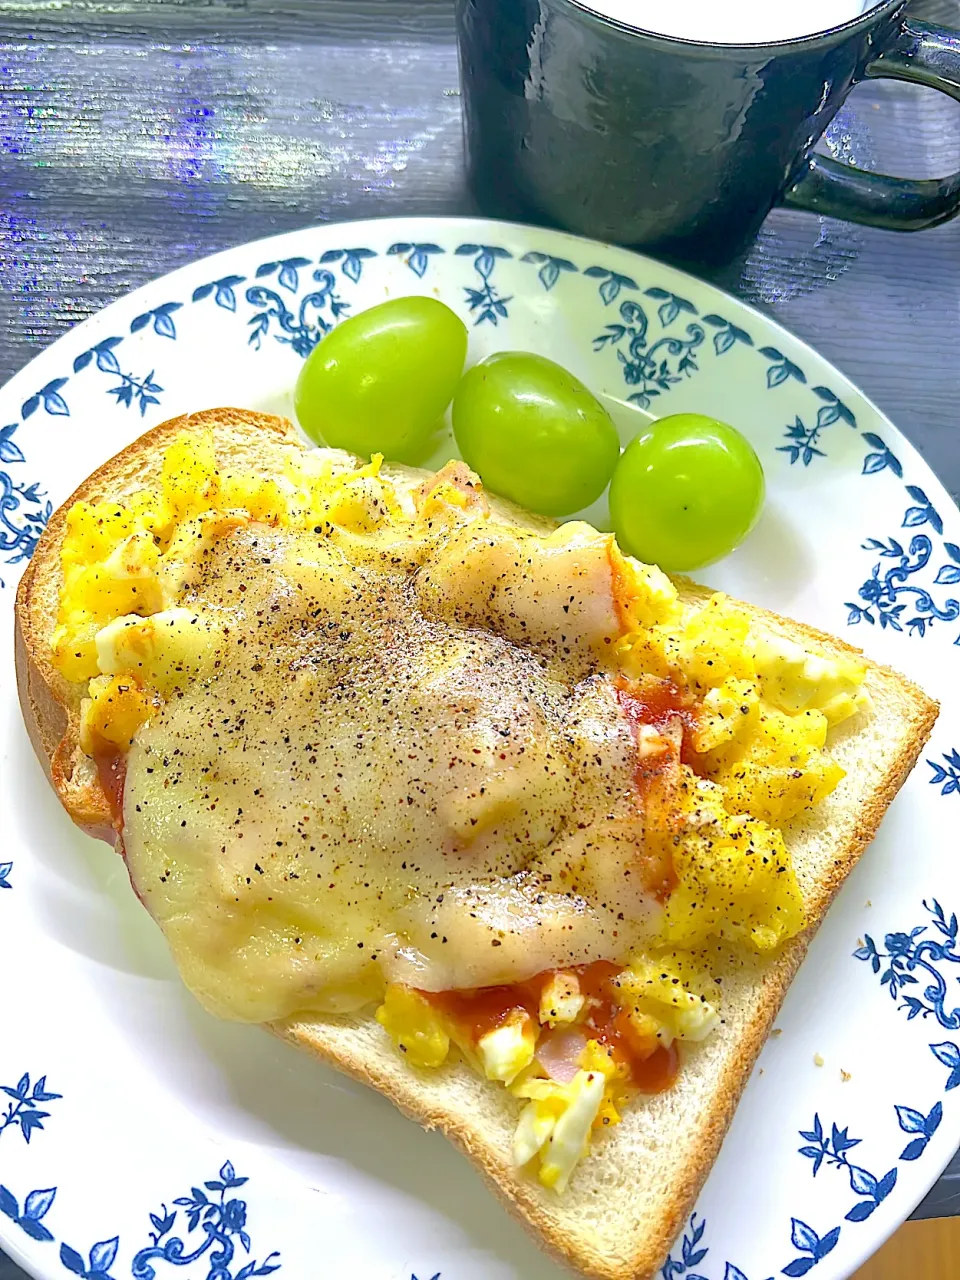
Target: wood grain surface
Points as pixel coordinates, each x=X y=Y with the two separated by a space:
x=137 y=135
x=918 y=1251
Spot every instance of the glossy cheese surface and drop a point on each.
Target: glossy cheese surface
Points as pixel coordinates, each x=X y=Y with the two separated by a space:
x=406 y=764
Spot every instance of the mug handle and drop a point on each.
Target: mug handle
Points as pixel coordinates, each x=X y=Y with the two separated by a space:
x=923 y=54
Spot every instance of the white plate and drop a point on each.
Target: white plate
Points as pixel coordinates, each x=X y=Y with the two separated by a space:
x=122 y=1095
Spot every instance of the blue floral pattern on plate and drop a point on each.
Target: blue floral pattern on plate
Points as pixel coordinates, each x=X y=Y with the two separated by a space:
x=915 y=956
x=485 y=302
x=824 y=1149
x=219 y=1219
x=23 y=1112
x=24 y=512
x=946 y=776
x=208 y=1227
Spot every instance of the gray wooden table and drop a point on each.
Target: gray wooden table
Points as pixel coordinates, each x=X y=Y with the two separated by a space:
x=136 y=135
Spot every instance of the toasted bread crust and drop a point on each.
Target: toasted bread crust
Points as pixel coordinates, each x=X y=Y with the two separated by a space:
x=355 y=1045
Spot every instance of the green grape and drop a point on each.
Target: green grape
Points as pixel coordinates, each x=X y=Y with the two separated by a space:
x=379 y=382
x=534 y=433
x=685 y=492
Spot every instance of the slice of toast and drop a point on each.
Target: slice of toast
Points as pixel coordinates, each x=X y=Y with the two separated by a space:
x=631 y=1194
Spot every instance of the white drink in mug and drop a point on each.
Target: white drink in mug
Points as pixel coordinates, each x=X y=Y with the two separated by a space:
x=732 y=21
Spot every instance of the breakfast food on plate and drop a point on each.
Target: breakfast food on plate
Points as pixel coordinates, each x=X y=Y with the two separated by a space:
x=506 y=824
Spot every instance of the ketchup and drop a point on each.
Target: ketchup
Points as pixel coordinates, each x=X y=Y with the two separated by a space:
x=486 y=1008
x=656 y=703
x=652 y=1067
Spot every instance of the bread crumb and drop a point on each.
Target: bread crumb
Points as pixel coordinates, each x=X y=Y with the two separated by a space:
x=859 y=942
x=869 y=903
x=777 y=1031
x=761 y=1071
x=818 y=1059
x=844 y=1075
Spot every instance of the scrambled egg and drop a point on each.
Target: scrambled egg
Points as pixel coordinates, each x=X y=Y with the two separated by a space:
x=417 y=1031
x=758 y=711
x=558 y=1117
x=125 y=562
x=660 y=1006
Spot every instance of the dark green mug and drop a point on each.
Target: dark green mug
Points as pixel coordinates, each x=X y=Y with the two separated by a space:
x=585 y=123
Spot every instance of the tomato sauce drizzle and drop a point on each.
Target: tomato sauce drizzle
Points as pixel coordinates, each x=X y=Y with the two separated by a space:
x=478 y=1011
x=652 y=1068
x=656 y=703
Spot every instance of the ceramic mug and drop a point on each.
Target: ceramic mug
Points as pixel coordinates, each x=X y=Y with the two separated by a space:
x=589 y=124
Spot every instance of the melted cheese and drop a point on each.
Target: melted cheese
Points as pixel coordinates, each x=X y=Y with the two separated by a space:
x=373 y=786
